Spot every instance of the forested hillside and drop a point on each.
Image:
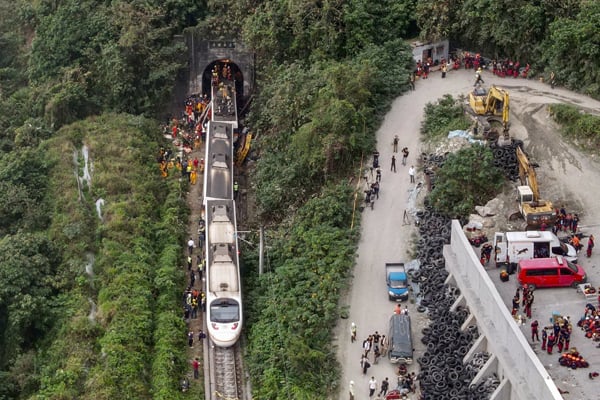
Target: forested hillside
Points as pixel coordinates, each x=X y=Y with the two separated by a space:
x=89 y=300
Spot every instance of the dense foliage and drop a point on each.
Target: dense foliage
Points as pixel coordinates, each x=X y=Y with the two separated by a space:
x=443 y=116
x=578 y=124
x=324 y=87
x=88 y=307
x=551 y=35
x=467 y=178
x=294 y=307
x=130 y=345
x=327 y=72
x=319 y=122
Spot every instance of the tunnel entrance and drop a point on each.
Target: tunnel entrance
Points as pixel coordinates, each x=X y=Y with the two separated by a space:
x=225 y=71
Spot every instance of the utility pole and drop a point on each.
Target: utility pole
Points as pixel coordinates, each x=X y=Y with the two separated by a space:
x=261 y=234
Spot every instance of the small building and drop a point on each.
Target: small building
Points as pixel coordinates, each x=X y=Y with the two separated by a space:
x=434 y=50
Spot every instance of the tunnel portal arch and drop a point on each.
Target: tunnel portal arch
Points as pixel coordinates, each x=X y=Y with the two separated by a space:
x=205 y=54
x=236 y=75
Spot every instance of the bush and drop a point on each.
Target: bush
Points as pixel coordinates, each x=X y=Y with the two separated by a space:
x=293 y=308
x=467 y=178
x=577 y=124
x=443 y=116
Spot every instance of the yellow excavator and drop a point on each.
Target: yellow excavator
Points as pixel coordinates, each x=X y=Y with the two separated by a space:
x=534 y=210
x=491 y=106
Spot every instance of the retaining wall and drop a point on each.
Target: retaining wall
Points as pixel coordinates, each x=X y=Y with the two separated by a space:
x=518 y=363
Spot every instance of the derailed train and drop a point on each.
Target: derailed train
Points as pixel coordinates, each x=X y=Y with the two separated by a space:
x=223 y=287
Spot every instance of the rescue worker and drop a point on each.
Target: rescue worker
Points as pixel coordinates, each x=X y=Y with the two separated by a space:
x=486 y=252
x=478 y=79
x=534 y=331
x=544 y=338
x=551 y=342
x=566 y=336
x=528 y=304
x=236 y=189
x=188 y=171
x=590 y=246
x=515 y=306
x=525 y=293
x=576 y=243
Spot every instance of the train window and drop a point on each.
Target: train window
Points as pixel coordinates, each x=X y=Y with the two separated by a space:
x=224 y=311
x=220 y=160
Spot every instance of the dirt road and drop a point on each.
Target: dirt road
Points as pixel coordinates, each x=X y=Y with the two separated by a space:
x=566 y=175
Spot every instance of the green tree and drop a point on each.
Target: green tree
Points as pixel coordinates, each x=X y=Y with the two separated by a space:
x=27 y=266
x=572 y=49
x=467 y=178
x=376 y=22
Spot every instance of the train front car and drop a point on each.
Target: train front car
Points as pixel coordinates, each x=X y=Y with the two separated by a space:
x=223 y=291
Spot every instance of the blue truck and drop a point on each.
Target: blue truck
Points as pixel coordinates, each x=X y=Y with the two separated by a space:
x=397 y=281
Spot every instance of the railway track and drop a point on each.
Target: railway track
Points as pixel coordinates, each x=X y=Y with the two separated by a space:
x=226 y=376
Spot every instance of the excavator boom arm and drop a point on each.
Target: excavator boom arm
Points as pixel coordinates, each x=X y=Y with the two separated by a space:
x=527 y=174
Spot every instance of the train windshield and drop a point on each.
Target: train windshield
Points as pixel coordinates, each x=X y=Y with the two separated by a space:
x=224 y=311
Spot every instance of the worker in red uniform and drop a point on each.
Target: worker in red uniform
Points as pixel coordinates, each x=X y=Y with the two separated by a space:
x=534 y=331
x=590 y=245
x=551 y=342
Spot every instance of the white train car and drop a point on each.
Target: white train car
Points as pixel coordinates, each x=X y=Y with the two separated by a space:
x=218 y=172
x=223 y=288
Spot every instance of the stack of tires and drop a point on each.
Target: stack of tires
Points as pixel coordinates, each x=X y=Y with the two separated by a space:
x=505 y=158
x=431 y=163
x=443 y=374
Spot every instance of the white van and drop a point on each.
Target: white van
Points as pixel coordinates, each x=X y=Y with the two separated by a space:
x=512 y=247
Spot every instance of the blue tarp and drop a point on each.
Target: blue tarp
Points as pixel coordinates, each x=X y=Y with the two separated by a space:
x=464 y=134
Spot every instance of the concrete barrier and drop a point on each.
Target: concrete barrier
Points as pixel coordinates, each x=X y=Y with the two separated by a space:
x=517 y=362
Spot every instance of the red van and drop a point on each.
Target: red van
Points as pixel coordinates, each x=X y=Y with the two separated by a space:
x=550 y=272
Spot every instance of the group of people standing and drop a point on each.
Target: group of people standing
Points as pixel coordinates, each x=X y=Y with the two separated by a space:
x=375 y=346
x=527 y=301
x=559 y=335
x=372 y=185
x=569 y=222
x=376 y=343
